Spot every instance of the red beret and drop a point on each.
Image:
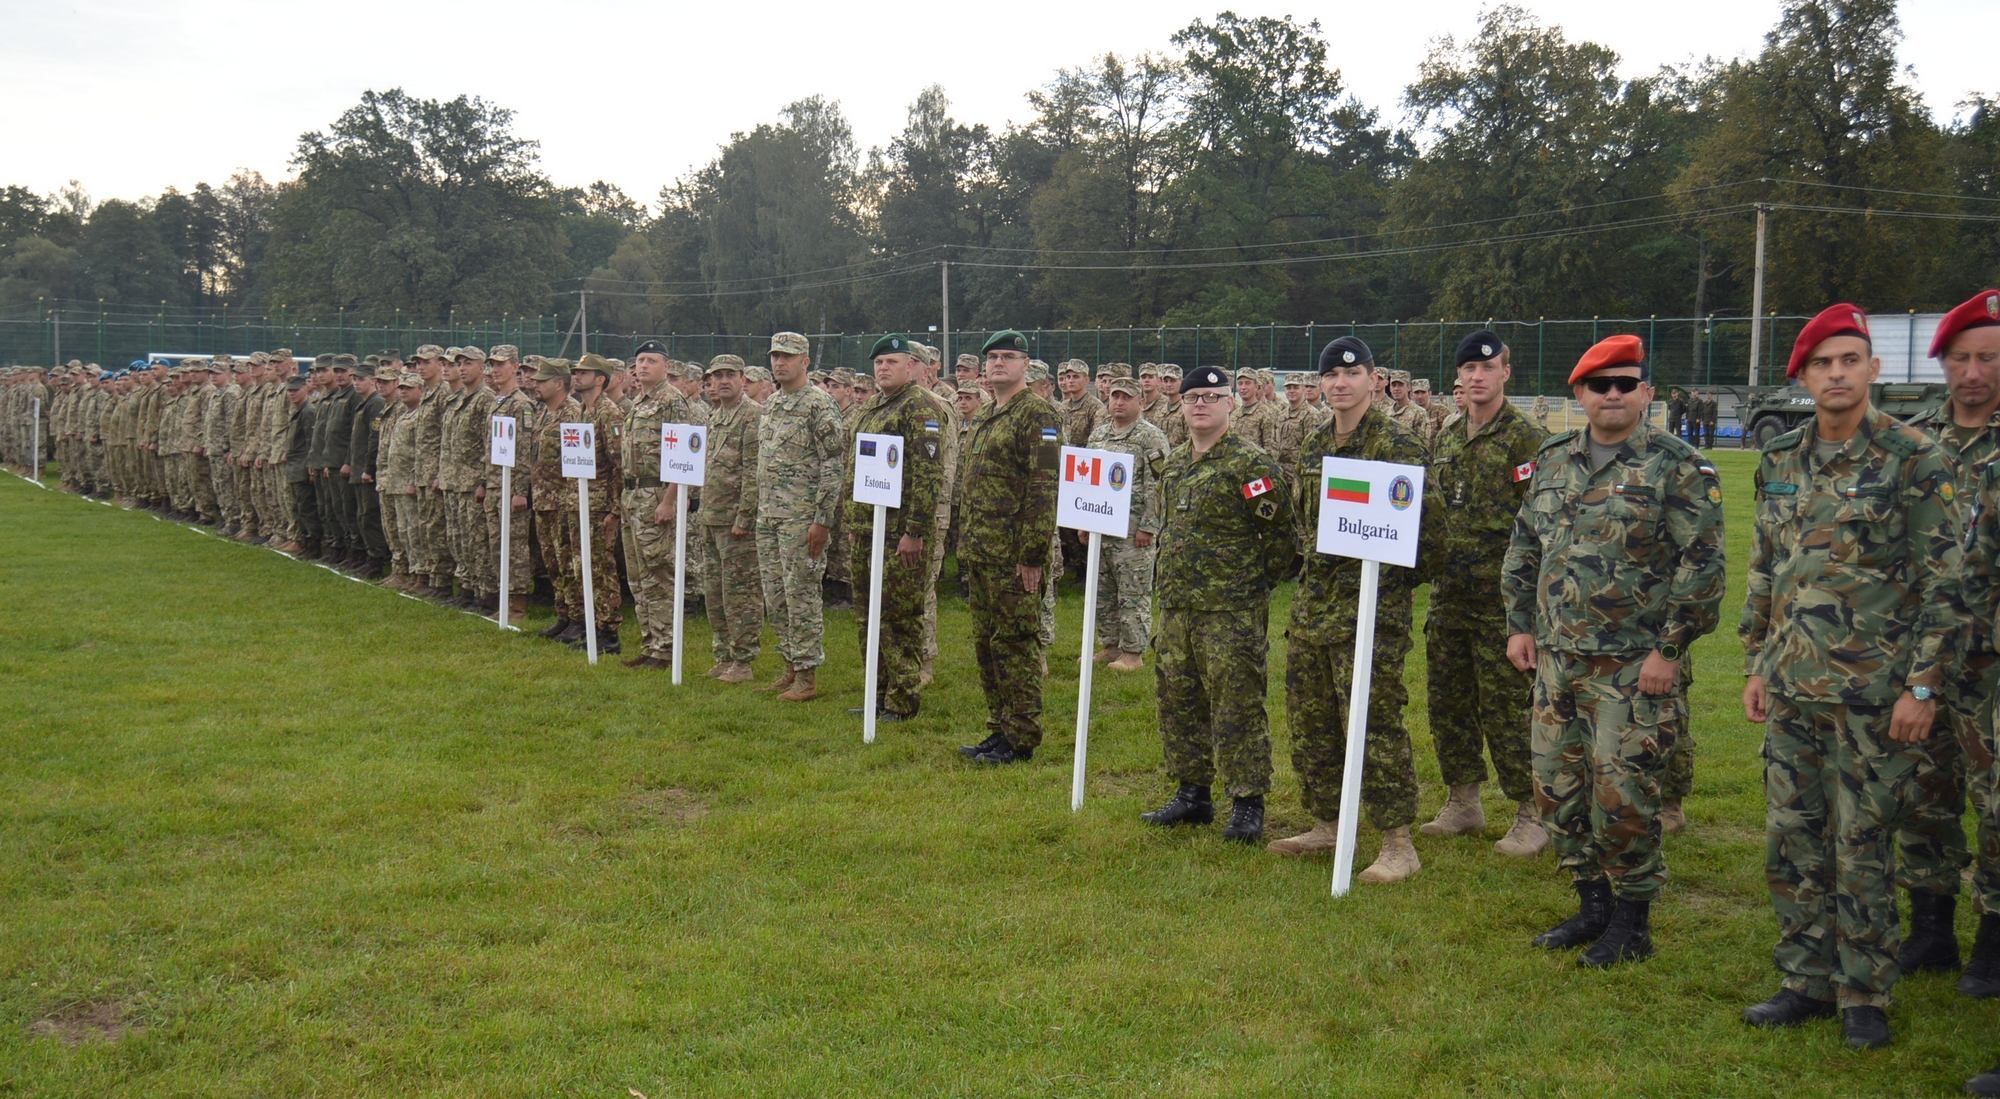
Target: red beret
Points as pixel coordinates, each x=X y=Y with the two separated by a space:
x=1608 y=352
x=1982 y=310
x=1844 y=319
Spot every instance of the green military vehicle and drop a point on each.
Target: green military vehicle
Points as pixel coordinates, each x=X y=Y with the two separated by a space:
x=1768 y=411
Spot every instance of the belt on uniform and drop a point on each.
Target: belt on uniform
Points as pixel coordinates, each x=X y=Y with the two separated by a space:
x=631 y=482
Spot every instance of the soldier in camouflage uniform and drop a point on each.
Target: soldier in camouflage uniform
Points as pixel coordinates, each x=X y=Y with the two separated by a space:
x=510 y=398
x=554 y=535
x=1080 y=408
x=1226 y=541
x=1125 y=567
x=1853 y=603
x=727 y=524
x=1406 y=412
x=590 y=381
x=468 y=441
x=801 y=453
x=364 y=439
x=433 y=563
x=942 y=417
x=395 y=476
x=1616 y=567
x=1009 y=496
x=1319 y=664
x=1481 y=460
x=647 y=507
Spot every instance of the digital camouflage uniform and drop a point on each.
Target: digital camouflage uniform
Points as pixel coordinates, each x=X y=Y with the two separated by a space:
x=945 y=418
x=1125 y=569
x=468 y=441
x=800 y=459
x=394 y=469
x=1852 y=596
x=734 y=595
x=1605 y=566
x=649 y=543
x=1225 y=541
x=1319 y=660
x=907 y=413
x=1473 y=489
x=433 y=554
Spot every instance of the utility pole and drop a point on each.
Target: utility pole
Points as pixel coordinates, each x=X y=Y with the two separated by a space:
x=1757 y=295
x=55 y=315
x=583 y=321
x=944 y=343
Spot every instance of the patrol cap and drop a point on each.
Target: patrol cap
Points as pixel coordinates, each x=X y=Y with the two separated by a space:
x=371 y=361
x=1074 y=366
x=323 y=361
x=756 y=374
x=1118 y=370
x=295 y=382
x=219 y=360
x=1843 y=319
x=895 y=343
x=476 y=354
x=925 y=352
x=790 y=343
x=409 y=379
x=504 y=353
x=1170 y=370
x=650 y=347
x=386 y=373
x=1294 y=379
x=864 y=381
x=552 y=370
x=1264 y=377
x=1981 y=310
x=1420 y=385
x=1620 y=350
x=1127 y=386
x=1149 y=370
x=724 y=364
x=841 y=376
x=390 y=355
x=691 y=371
x=1007 y=339
x=257 y=358
x=1478 y=345
x=1038 y=371
x=970 y=390
x=345 y=362
x=1204 y=377
x=1399 y=376
x=282 y=353
x=591 y=360
x=967 y=359
x=1345 y=351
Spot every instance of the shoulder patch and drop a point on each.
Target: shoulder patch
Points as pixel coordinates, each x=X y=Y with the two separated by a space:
x=1267 y=510
x=1559 y=439
x=1787 y=441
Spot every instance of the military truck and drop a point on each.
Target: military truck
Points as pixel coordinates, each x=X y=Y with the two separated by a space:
x=1768 y=411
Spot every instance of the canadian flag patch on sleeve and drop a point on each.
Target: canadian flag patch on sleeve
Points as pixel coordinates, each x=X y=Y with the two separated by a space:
x=1523 y=471
x=1256 y=488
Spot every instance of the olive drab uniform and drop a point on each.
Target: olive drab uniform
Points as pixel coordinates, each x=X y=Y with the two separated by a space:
x=363 y=435
x=1226 y=540
x=1125 y=569
x=1605 y=564
x=1853 y=598
x=910 y=414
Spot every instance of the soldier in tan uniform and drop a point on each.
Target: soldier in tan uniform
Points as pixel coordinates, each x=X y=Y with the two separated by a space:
x=727 y=525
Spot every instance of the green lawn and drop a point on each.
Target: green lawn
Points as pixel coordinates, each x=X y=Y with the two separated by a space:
x=276 y=832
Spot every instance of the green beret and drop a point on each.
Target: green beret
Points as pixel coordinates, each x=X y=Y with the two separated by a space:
x=1005 y=340
x=895 y=343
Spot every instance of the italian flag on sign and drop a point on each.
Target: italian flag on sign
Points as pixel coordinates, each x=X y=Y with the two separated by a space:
x=1346 y=491
x=1256 y=488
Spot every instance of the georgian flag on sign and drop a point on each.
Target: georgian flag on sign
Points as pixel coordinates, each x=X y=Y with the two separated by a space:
x=1524 y=471
x=1256 y=488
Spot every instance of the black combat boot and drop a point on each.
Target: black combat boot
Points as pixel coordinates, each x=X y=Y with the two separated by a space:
x=607 y=640
x=1189 y=805
x=1986 y=1083
x=1593 y=914
x=1981 y=980
x=993 y=740
x=555 y=630
x=1932 y=944
x=1788 y=1008
x=1246 y=820
x=1628 y=937
x=1864 y=1027
x=571 y=633
x=1004 y=753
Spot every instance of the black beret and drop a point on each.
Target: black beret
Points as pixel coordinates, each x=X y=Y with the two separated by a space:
x=1476 y=346
x=651 y=347
x=1204 y=377
x=1345 y=351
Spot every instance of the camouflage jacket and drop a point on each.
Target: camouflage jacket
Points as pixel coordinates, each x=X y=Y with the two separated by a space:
x=1227 y=538
x=729 y=481
x=468 y=438
x=1330 y=585
x=1156 y=411
x=1472 y=491
x=1412 y=417
x=1622 y=560
x=523 y=407
x=609 y=437
x=430 y=433
x=1080 y=417
x=1971 y=460
x=638 y=432
x=544 y=454
x=801 y=453
x=1009 y=494
x=946 y=417
x=909 y=413
x=392 y=468
x=1854 y=591
x=1147 y=445
x=215 y=424
x=1261 y=424
x=1175 y=426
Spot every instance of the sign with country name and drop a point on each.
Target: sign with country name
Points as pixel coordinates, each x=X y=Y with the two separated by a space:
x=1370 y=510
x=878 y=470
x=579 y=450
x=683 y=454
x=1095 y=493
x=500 y=450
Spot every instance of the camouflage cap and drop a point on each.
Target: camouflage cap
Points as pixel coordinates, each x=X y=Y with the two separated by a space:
x=756 y=374
x=1074 y=366
x=552 y=370
x=1265 y=377
x=1399 y=376
x=451 y=352
x=345 y=362
x=1295 y=379
x=1149 y=370
x=1117 y=370
x=1038 y=371
x=282 y=353
x=842 y=376
x=504 y=353
x=790 y=343
x=257 y=358
x=323 y=361
x=386 y=373
x=970 y=390
x=410 y=378
x=219 y=360
x=1420 y=385
x=476 y=354
x=817 y=376
x=692 y=371
x=924 y=352
x=967 y=360
x=722 y=364
x=430 y=351
x=1170 y=370
x=1246 y=372
x=617 y=365
x=591 y=360
x=865 y=381
x=1127 y=386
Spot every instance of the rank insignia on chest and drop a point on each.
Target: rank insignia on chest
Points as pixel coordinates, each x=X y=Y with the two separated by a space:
x=1780 y=488
x=1524 y=471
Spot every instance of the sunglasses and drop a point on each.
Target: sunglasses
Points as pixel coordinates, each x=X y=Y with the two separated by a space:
x=1601 y=386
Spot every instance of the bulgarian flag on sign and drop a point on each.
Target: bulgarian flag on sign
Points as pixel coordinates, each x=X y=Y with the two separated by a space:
x=1346 y=491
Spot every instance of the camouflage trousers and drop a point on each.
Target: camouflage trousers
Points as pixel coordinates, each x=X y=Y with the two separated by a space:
x=433 y=557
x=1052 y=574
x=937 y=548
x=836 y=546
x=368 y=521
x=792 y=591
x=554 y=538
x=1477 y=699
x=607 y=599
x=1319 y=673
x=649 y=567
x=201 y=486
x=222 y=489
x=1008 y=651
x=1209 y=668
x=1601 y=747
x=1956 y=760
x=1124 y=596
x=900 y=662
x=1833 y=786
x=520 y=543
x=399 y=516
x=1678 y=781
x=474 y=563
x=733 y=594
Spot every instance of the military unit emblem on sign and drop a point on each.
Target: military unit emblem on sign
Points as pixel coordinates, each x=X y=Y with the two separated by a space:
x=694 y=444
x=1118 y=476
x=893 y=456
x=1402 y=493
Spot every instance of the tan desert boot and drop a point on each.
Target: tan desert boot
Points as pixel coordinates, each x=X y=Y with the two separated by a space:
x=734 y=672
x=715 y=671
x=1104 y=655
x=1396 y=861
x=1461 y=814
x=805 y=686
x=1672 y=818
x=1526 y=838
x=781 y=684
x=1322 y=837
x=1128 y=662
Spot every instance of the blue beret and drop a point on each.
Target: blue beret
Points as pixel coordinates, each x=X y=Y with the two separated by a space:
x=136 y=364
x=1477 y=346
x=1345 y=351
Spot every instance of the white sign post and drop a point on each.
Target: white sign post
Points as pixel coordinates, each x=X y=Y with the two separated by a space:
x=683 y=463
x=878 y=480
x=1094 y=495
x=579 y=460
x=501 y=448
x=1371 y=511
x=35 y=445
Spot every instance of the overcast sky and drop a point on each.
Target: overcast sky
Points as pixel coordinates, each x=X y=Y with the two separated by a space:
x=133 y=96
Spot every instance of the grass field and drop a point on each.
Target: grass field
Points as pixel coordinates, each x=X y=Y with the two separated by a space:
x=267 y=831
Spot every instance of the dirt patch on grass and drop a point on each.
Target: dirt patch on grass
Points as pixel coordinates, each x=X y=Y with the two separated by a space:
x=87 y=1021
x=670 y=804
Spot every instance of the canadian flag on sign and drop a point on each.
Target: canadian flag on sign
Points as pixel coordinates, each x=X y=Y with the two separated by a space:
x=1256 y=488
x=1078 y=469
x=1524 y=471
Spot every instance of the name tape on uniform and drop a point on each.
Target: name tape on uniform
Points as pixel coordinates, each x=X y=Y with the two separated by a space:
x=501 y=448
x=878 y=470
x=579 y=450
x=1370 y=510
x=1095 y=493
x=683 y=454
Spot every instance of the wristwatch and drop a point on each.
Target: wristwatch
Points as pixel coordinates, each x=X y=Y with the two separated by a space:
x=1921 y=694
x=1670 y=651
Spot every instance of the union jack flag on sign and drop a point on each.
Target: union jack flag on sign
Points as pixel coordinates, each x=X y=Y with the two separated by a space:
x=572 y=437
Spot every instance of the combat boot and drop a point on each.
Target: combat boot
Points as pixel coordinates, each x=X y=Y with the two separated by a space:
x=1323 y=836
x=517 y=609
x=1461 y=814
x=1628 y=937
x=572 y=633
x=781 y=684
x=1128 y=662
x=1981 y=980
x=1986 y=1083
x=735 y=672
x=1004 y=753
x=1672 y=818
x=1788 y=1009
x=1104 y=655
x=1526 y=838
x=970 y=751
x=1189 y=805
x=560 y=627
x=1396 y=861
x=804 y=688
x=607 y=640
x=1932 y=945
x=716 y=670
x=1864 y=1027
x=1246 y=820
x=1593 y=914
